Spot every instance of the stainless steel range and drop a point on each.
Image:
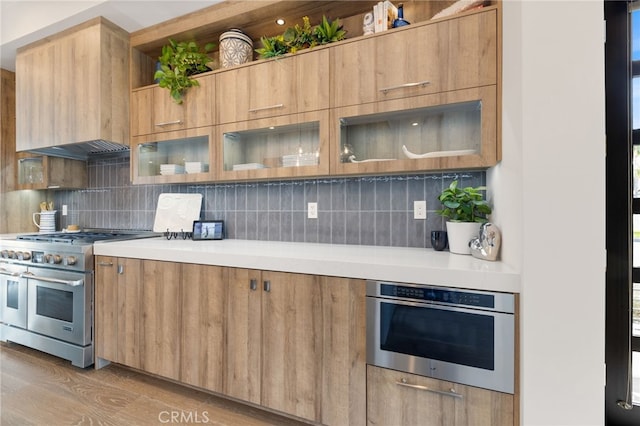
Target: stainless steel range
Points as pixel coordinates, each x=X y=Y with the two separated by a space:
x=47 y=288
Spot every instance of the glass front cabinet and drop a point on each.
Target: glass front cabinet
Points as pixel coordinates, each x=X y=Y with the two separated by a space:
x=173 y=157
x=450 y=130
x=278 y=147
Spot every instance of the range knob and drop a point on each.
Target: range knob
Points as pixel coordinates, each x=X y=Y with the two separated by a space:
x=53 y=259
x=11 y=254
x=70 y=260
x=24 y=255
x=4 y=254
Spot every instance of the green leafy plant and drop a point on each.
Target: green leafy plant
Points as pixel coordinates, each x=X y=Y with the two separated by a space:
x=329 y=31
x=272 y=46
x=464 y=205
x=299 y=37
x=178 y=62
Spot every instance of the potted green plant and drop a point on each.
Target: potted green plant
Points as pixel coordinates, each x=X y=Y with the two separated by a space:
x=178 y=62
x=301 y=37
x=465 y=210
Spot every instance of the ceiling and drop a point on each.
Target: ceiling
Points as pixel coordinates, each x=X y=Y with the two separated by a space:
x=25 y=21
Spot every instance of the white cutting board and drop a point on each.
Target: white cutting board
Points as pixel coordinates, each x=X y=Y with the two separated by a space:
x=176 y=212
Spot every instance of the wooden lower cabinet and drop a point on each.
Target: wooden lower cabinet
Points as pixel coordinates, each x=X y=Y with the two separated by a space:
x=118 y=299
x=203 y=325
x=397 y=398
x=296 y=344
x=293 y=343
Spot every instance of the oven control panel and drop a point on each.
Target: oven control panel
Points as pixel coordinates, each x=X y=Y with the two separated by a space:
x=53 y=258
x=430 y=294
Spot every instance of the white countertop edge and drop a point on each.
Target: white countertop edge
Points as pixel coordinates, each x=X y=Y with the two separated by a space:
x=398 y=264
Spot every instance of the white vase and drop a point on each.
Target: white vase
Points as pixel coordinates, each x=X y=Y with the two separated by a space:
x=459 y=234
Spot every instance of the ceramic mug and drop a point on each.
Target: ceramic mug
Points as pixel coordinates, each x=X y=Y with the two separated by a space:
x=439 y=240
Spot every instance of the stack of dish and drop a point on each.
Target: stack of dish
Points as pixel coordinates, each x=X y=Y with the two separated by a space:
x=295 y=160
x=248 y=166
x=195 y=167
x=171 y=169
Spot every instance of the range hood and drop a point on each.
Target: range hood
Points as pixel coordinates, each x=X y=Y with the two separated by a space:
x=85 y=150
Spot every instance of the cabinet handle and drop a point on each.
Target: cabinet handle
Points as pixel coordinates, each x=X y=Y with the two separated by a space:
x=267 y=286
x=267 y=107
x=253 y=284
x=120 y=269
x=404 y=86
x=105 y=264
x=168 y=123
x=452 y=393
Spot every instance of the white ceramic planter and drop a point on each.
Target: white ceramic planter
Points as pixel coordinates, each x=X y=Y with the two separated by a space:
x=459 y=234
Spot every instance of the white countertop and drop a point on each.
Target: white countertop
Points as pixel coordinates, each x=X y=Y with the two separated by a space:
x=399 y=264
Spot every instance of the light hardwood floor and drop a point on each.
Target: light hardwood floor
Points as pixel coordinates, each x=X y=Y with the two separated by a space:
x=39 y=389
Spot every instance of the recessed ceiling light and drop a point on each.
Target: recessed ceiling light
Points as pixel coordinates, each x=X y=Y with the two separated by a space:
x=280 y=21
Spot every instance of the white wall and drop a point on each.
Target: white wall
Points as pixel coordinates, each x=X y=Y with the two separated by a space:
x=548 y=194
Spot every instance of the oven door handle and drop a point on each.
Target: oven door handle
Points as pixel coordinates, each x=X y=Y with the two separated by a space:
x=71 y=283
x=11 y=274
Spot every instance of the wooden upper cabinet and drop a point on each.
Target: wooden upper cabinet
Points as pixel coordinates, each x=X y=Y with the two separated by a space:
x=432 y=57
x=274 y=87
x=153 y=110
x=72 y=87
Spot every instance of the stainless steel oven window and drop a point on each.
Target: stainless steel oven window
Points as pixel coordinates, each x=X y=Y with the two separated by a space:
x=54 y=303
x=456 y=337
x=13 y=298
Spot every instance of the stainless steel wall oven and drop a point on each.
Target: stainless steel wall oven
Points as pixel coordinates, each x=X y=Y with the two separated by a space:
x=463 y=336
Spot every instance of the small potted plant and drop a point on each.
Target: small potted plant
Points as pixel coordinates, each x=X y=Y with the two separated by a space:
x=465 y=210
x=178 y=62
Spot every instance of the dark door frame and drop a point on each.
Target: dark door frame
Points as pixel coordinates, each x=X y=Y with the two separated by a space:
x=619 y=212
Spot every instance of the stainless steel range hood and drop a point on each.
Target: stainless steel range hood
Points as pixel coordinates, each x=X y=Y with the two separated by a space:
x=85 y=150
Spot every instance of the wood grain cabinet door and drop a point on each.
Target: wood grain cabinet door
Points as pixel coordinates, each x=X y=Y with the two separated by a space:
x=292 y=347
x=106 y=308
x=117 y=314
x=244 y=335
x=396 y=398
x=269 y=88
x=204 y=300
x=160 y=325
x=417 y=60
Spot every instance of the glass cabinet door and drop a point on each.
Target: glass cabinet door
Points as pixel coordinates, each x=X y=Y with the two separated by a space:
x=278 y=147
x=183 y=156
x=31 y=171
x=432 y=132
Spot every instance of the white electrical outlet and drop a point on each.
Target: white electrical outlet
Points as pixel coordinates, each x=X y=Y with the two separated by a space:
x=419 y=209
x=64 y=210
x=312 y=210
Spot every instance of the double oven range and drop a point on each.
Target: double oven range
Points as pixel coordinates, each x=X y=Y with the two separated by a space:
x=47 y=290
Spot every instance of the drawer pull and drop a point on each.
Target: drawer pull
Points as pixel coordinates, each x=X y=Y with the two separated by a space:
x=452 y=393
x=404 y=86
x=169 y=123
x=267 y=107
x=105 y=263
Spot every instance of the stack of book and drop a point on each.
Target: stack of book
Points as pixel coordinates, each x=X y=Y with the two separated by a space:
x=384 y=13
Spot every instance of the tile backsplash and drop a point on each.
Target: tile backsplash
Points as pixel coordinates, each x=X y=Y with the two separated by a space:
x=370 y=210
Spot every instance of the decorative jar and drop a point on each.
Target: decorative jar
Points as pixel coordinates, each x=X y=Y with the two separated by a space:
x=235 y=48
